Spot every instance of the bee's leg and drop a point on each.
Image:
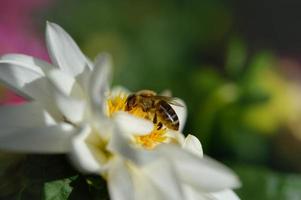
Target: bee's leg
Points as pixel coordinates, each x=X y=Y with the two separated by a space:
x=155 y=120
x=159 y=126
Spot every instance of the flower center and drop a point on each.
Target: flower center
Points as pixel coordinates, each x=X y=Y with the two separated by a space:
x=152 y=139
x=148 y=141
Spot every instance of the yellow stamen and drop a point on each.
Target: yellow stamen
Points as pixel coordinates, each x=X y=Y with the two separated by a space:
x=116 y=104
x=151 y=140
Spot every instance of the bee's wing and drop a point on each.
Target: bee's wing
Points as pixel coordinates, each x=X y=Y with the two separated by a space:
x=170 y=100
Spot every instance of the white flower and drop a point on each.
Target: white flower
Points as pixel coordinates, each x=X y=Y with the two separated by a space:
x=71 y=110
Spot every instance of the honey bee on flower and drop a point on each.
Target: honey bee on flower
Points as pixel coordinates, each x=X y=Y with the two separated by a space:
x=158 y=107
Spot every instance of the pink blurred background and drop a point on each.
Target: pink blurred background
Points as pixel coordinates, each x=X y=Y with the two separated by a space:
x=19 y=35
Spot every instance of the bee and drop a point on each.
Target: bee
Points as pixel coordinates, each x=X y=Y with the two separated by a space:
x=159 y=107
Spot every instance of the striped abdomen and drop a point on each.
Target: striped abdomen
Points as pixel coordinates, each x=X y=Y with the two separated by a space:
x=167 y=116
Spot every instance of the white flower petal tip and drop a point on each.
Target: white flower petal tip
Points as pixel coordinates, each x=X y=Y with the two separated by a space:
x=99 y=81
x=23 y=74
x=63 y=51
x=102 y=72
x=81 y=155
x=181 y=112
x=226 y=175
x=26 y=61
x=225 y=195
x=175 y=137
x=104 y=59
x=193 y=145
x=204 y=173
x=133 y=125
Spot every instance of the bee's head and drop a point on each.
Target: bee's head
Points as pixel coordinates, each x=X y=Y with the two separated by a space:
x=131 y=102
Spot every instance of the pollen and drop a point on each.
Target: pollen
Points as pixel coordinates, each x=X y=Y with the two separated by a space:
x=116 y=104
x=152 y=139
x=148 y=141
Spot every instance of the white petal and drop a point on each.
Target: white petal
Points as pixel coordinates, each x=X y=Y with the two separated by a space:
x=181 y=113
x=163 y=176
x=64 y=52
x=26 y=75
x=64 y=82
x=100 y=82
x=49 y=139
x=119 y=144
x=71 y=108
x=131 y=125
x=174 y=137
x=18 y=72
x=225 y=195
x=26 y=61
x=122 y=145
x=67 y=95
x=151 y=186
x=120 y=181
x=83 y=80
x=20 y=117
x=191 y=194
x=203 y=174
x=145 y=188
x=82 y=155
x=193 y=145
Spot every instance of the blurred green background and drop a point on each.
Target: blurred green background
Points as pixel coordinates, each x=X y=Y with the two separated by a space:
x=235 y=64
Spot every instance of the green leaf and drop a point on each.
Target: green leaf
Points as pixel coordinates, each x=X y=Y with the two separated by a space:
x=57 y=190
x=261 y=183
x=23 y=177
x=89 y=188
